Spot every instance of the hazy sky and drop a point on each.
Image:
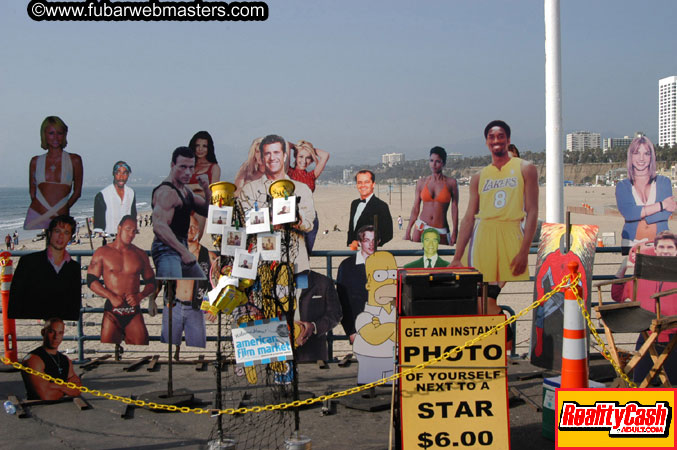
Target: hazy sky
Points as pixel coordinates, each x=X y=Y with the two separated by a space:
x=357 y=78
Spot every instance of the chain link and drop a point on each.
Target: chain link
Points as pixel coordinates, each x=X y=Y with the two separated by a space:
x=351 y=391
x=605 y=351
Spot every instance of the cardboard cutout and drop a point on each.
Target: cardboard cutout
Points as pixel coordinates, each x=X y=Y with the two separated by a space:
x=121 y=273
x=502 y=214
x=47 y=284
x=369 y=210
x=47 y=359
x=644 y=198
x=304 y=154
x=352 y=279
x=173 y=203
x=254 y=198
x=665 y=245
x=187 y=318
x=114 y=201
x=55 y=177
x=207 y=170
x=430 y=258
x=498 y=234
x=318 y=312
x=376 y=326
x=436 y=192
x=551 y=267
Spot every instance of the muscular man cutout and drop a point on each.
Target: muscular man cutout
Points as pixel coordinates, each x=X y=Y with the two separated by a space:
x=123 y=265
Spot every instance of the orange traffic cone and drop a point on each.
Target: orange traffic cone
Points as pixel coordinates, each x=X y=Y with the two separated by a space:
x=574 y=345
x=8 y=325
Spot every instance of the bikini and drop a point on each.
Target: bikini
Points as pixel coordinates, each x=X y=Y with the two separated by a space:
x=35 y=220
x=208 y=172
x=444 y=196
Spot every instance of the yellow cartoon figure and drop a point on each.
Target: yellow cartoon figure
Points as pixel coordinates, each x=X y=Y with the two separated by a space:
x=376 y=326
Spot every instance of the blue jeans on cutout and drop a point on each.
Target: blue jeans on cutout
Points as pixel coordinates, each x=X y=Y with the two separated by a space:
x=168 y=265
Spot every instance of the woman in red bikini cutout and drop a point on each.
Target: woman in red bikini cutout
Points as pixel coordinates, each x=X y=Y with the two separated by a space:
x=436 y=192
x=205 y=166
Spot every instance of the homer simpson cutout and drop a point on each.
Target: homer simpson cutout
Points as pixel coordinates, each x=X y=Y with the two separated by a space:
x=376 y=326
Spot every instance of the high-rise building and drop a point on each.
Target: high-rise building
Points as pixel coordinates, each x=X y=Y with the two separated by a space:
x=619 y=142
x=348 y=175
x=667 y=111
x=583 y=140
x=392 y=158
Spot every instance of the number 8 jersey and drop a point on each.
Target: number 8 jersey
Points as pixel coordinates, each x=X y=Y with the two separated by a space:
x=501 y=192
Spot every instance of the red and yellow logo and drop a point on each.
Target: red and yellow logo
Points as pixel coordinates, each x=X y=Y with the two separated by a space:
x=615 y=418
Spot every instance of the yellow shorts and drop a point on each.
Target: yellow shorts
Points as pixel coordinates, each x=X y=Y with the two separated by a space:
x=492 y=247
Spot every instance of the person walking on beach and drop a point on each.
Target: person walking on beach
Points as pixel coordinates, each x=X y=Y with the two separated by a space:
x=8 y=241
x=501 y=196
x=47 y=359
x=124 y=268
x=399 y=222
x=16 y=239
x=172 y=205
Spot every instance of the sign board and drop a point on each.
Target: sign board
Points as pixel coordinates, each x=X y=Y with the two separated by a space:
x=461 y=401
x=261 y=342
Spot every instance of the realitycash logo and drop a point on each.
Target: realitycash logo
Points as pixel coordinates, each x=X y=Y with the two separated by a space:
x=632 y=419
x=605 y=418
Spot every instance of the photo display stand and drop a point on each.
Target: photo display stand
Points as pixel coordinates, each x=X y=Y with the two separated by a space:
x=222 y=196
x=282 y=191
x=263 y=382
x=286 y=236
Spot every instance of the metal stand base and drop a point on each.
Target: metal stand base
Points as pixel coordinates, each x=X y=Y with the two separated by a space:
x=180 y=397
x=224 y=443
x=373 y=400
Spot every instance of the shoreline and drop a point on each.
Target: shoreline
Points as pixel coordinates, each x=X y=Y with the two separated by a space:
x=332 y=203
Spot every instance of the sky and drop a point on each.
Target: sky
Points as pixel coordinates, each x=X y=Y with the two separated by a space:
x=355 y=78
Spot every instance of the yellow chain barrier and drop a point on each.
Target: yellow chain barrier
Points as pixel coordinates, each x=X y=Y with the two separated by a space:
x=605 y=351
x=566 y=281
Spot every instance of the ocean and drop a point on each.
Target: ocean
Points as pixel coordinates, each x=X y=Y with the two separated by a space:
x=14 y=204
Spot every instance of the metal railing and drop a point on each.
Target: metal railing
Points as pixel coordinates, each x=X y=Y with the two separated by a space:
x=328 y=255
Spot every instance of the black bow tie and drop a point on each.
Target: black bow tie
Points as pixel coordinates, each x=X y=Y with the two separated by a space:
x=363 y=200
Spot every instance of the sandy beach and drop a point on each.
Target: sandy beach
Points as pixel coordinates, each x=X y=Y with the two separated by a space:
x=332 y=203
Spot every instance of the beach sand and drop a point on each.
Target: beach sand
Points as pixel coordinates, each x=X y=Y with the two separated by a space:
x=333 y=204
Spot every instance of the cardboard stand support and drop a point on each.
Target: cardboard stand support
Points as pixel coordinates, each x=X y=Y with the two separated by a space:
x=180 y=397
